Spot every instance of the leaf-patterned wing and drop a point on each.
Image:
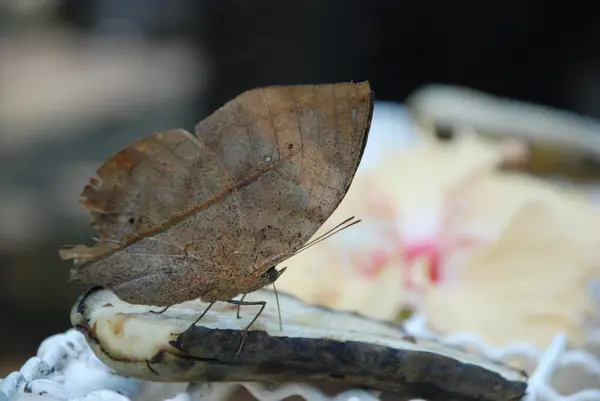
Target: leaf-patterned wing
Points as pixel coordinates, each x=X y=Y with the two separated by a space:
x=292 y=152
x=161 y=207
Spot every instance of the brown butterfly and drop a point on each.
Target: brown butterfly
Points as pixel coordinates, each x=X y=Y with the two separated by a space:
x=209 y=216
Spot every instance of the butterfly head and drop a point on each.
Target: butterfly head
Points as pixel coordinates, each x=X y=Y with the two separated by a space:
x=271 y=275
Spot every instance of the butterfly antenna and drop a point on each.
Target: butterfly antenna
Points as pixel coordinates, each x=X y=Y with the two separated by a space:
x=329 y=234
x=278 y=308
x=326 y=236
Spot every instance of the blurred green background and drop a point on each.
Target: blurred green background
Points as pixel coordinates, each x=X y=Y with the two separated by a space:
x=80 y=79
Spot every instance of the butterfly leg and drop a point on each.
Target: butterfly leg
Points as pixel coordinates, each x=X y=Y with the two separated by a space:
x=249 y=303
x=239 y=303
x=160 y=356
x=160 y=312
x=195 y=321
x=150 y=368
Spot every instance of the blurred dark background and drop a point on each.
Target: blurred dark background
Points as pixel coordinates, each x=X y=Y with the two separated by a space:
x=80 y=79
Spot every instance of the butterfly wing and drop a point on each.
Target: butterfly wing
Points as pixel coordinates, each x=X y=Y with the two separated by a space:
x=180 y=216
x=161 y=207
x=292 y=152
